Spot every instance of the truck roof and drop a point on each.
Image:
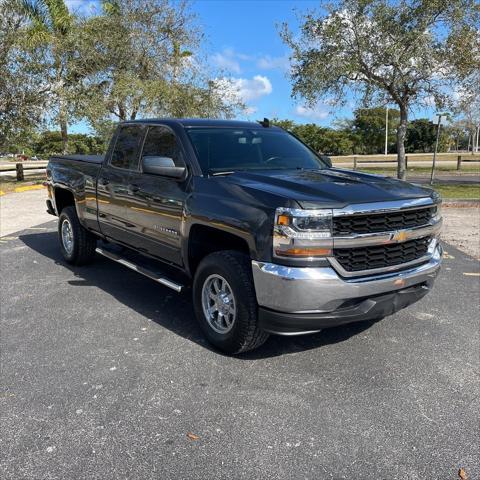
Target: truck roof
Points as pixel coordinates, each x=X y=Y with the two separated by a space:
x=202 y=122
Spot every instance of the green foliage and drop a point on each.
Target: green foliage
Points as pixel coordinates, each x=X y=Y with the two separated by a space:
x=385 y=52
x=422 y=134
x=369 y=127
x=147 y=63
x=359 y=135
x=136 y=58
x=22 y=90
x=323 y=140
x=51 y=142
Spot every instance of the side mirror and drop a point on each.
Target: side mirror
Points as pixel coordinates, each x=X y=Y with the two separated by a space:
x=164 y=166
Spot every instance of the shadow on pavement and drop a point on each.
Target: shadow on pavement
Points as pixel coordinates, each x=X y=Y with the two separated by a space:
x=169 y=309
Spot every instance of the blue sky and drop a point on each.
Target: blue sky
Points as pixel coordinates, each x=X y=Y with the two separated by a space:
x=242 y=39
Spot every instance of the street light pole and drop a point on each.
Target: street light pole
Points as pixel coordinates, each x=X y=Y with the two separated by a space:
x=386 y=132
x=436 y=147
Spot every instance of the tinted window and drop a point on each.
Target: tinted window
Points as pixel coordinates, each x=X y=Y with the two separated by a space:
x=249 y=149
x=127 y=147
x=161 y=142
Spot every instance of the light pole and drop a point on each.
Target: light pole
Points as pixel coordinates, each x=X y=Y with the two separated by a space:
x=440 y=115
x=386 y=132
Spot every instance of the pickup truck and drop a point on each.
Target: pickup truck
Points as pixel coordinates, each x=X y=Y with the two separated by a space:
x=267 y=235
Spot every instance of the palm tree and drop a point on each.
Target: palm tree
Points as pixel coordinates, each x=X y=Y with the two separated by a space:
x=50 y=25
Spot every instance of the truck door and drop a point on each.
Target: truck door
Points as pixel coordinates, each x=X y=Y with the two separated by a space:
x=155 y=202
x=114 y=180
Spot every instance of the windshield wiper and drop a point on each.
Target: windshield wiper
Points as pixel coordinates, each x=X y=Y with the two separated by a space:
x=216 y=173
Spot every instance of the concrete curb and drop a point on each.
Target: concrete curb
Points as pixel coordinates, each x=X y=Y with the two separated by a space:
x=26 y=188
x=461 y=203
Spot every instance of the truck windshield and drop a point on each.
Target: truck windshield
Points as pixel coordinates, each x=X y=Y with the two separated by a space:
x=229 y=149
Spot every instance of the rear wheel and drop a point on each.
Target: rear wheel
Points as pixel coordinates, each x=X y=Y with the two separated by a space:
x=76 y=243
x=225 y=302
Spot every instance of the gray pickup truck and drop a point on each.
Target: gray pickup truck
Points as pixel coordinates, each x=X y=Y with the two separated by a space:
x=270 y=237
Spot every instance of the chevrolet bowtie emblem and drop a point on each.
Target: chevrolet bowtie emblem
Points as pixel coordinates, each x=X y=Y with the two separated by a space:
x=400 y=236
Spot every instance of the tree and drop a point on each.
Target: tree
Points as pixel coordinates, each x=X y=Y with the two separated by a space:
x=51 y=31
x=323 y=140
x=147 y=61
x=369 y=125
x=51 y=142
x=22 y=89
x=402 y=52
x=467 y=106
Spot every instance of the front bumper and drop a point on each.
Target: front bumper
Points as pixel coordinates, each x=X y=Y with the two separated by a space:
x=296 y=300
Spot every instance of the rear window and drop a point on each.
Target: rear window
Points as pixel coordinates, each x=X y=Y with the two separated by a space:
x=127 y=147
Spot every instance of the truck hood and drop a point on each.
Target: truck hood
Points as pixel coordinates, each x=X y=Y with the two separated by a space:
x=334 y=188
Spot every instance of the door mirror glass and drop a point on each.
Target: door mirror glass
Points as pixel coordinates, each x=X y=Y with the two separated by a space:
x=157 y=161
x=156 y=165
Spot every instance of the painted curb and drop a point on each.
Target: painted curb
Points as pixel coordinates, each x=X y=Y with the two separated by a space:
x=29 y=187
x=26 y=188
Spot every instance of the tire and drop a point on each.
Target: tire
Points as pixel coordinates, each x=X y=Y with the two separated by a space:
x=76 y=243
x=241 y=332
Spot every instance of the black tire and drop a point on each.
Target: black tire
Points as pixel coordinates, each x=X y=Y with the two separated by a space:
x=235 y=268
x=82 y=249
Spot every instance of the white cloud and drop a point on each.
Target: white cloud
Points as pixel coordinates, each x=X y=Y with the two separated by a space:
x=313 y=113
x=246 y=89
x=227 y=59
x=429 y=100
x=268 y=62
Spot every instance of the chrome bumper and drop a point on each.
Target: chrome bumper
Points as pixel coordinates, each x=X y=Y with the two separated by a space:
x=322 y=289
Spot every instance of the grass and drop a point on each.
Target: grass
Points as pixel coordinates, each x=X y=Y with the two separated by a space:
x=8 y=185
x=463 y=192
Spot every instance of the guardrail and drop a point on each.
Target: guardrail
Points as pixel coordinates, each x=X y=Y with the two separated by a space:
x=370 y=160
x=19 y=168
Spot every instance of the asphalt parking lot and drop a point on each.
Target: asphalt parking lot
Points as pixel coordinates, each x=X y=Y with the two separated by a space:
x=106 y=375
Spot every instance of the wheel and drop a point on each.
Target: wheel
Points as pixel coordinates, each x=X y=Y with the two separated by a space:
x=76 y=243
x=225 y=302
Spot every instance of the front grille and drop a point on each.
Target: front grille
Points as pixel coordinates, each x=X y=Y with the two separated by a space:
x=381 y=256
x=381 y=222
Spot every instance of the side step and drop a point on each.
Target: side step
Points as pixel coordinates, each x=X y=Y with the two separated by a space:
x=136 y=268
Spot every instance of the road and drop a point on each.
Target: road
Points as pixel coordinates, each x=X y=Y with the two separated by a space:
x=22 y=210
x=442 y=179
x=105 y=374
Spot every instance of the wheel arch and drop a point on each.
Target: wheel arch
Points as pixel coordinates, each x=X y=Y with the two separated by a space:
x=205 y=239
x=63 y=198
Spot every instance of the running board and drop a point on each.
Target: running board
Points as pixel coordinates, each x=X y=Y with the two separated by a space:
x=136 y=268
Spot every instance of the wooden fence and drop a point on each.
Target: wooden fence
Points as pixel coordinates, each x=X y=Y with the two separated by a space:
x=356 y=160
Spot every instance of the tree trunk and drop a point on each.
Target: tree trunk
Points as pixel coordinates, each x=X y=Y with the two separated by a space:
x=401 y=133
x=63 y=122
x=64 y=132
x=122 y=114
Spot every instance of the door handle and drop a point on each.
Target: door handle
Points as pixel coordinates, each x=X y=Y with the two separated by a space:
x=133 y=188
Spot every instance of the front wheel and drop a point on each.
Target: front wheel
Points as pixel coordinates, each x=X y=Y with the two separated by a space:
x=76 y=243
x=225 y=302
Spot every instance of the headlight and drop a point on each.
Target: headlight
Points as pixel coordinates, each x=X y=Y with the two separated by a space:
x=304 y=234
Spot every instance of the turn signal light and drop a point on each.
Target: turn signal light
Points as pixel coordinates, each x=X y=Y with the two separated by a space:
x=304 y=252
